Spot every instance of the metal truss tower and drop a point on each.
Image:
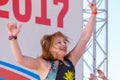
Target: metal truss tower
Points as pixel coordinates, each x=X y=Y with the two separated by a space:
x=96 y=54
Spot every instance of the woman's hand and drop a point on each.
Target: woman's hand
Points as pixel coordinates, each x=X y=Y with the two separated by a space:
x=13 y=29
x=93 y=7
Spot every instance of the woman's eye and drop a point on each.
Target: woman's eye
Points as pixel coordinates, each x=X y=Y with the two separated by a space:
x=59 y=42
x=65 y=42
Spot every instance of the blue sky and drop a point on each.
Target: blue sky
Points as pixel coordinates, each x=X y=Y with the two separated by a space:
x=114 y=40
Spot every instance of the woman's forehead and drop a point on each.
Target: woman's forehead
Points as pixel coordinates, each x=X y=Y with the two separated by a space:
x=59 y=38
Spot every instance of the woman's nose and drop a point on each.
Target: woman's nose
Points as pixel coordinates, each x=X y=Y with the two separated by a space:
x=63 y=43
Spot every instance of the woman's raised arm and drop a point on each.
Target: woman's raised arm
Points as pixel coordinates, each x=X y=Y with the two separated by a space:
x=13 y=31
x=79 y=49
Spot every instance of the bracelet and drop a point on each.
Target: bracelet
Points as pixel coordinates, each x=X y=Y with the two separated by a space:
x=94 y=12
x=12 y=37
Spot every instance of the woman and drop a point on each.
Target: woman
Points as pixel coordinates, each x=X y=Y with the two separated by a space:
x=54 y=63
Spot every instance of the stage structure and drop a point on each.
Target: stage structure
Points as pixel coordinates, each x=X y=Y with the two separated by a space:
x=96 y=54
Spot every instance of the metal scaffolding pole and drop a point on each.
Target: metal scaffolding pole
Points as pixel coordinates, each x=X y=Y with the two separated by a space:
x=96 y=54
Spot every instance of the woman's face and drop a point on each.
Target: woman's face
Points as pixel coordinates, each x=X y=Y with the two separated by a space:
x=59 y=47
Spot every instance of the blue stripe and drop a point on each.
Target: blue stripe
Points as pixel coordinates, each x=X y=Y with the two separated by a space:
x=2 y=79
x=20 y=69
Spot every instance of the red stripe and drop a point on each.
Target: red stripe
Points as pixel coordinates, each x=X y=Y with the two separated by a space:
x=9 y=75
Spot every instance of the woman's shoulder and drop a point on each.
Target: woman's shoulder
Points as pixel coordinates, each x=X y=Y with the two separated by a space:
x=40 y=59
x=43 y=62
